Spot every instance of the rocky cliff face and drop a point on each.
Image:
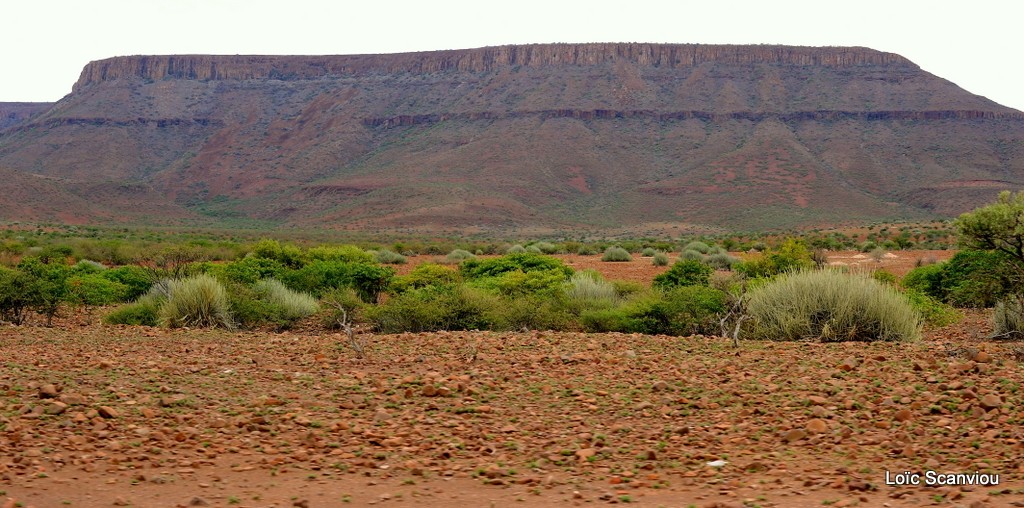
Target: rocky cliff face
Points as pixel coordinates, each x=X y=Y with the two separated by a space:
x=14 y=113
x=568 y=136
x=671 y=56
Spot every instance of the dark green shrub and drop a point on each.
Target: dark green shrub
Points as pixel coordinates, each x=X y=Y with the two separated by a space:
x=339 y=253
x=681 y=311
x=546 y=247
x=84 y=266
x=885 y=277
x=95 y=289
x=141 y=313
x=530 y=313
x=343 y=307
x=433 y=309
x=686 y=272
x=426 y=275
x=534 y=282
x=927 y=280
x=832 y=307
x=47 y=283
x=288 y=255
x=318 y=277
x=792 y=255
x=251 y=269
x=524 y=262
x=933 y=311
x=616 y=254
x=136 y=279
x=17 y=295
x=975 y=278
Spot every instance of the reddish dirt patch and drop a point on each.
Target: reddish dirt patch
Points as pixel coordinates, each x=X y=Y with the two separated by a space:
x=150 y=417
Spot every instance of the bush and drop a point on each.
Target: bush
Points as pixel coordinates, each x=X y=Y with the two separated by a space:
x=525 y=262
x=516 y=249
x=88 y=266
x=16 y=295
x=721 y=261
x=318 y=277
x=198 y=301
x=588 y=290
x=616 y=254
x=885 y=277
x=386 y=257
x=530 y=313
x=432 y=309
x=975 y=278
x=927 y=280
x=832 y=307
x=339 y=253
x=136 y=279
x=934 y=312
x=458 y=255
x=697 y=246
x=1008 y=318
x=680 y=311
x=648 y=252
x=343 y=307
x=293 y=305
x=692 y=255
x=94 y=289
x=141 y=313
x=686 y=272
x=534 y=282
x=792 y=255
x=546 y=247
x=251 y=269
x=288 y=255
x=425 y=275
x=46 y=284
x=660 y=259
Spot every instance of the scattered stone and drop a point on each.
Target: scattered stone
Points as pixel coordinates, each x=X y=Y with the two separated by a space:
x=48 y=391
x=903 y=415
x=659 y=386
x=381 y=415
x=849 y=364
x=982 y=357
x=56 y=407
x=816 y=426
x=302 y=503
x=107 y=412
x=429 y=391
x=990 y=402
x=793 y=435
x=630 y=353
x=198 y=501
x=816 y=400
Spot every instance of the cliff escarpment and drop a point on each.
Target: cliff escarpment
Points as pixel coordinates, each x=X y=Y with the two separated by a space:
x=206 y=67
x=569 y=137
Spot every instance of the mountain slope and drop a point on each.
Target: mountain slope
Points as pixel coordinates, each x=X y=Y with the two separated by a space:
x=581 y=137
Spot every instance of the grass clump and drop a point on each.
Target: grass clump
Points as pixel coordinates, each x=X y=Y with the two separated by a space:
x=387 y=257
x=659 y=259
x=616 y=254
x=832 y=307
x=293 y=305
x=648 y=252
x=197 y=301
x=1008 y=318
x=588 y=290
x=457 y=256
x=515 y=249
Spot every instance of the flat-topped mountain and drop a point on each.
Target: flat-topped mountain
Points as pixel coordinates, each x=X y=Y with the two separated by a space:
x=573 y=137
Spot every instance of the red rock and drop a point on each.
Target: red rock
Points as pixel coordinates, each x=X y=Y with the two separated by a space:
x=816 y=426
x=793 y=435
x=990 y=402
x=48 y=391
x=107 y=412
x=903 y=415
x=982 y=357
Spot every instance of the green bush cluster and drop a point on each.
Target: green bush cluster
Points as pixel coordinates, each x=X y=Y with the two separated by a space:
x=971 y=278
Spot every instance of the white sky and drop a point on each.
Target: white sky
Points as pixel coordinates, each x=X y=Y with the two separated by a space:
x=45 y=43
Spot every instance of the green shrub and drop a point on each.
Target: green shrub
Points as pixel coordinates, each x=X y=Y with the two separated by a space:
x=94 y=289
x=1008 y=318
x=530 y=313
x=249 y=309
x=792 y=255
x=136 y=279
x=318 y=277
x=343 y=306
x=458 y=255
x=934 y=312
x=975 y=278
x=832 y=307
x=534 y=282
x=339 y=253
x=616 y=254
x=515 y=249
x=685 y=272
x=546 y=247
x=288 y=255
x=692 y=255
x=141 y=313
x=681 y=311
x=697 y=246
x=47 y=284
x=524 y=262
x=885 y=277
x=628 y=288
x=648 y=252
x=293 y=305
x=425 y=275
x=386 y=257
x=433 y=309
x=198 y=301
x=660 y=259
x=17 y=295
x=251 y=269
x=721 y=261
x=87 y=266
x=927 y=280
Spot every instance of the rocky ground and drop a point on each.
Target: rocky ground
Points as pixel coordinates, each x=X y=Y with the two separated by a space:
x=120 y=416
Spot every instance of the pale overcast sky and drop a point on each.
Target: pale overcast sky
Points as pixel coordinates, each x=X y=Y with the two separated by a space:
x=45 y=43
